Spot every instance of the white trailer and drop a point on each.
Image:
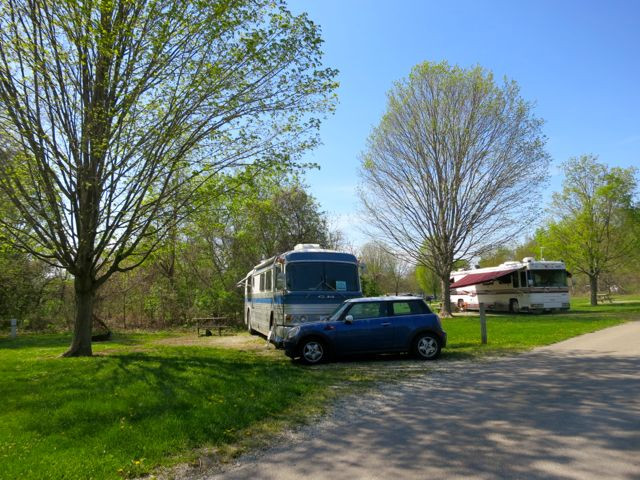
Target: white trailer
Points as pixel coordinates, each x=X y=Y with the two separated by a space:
x=530 y=286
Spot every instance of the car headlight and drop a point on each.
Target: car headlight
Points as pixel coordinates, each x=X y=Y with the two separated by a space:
x=293 y=332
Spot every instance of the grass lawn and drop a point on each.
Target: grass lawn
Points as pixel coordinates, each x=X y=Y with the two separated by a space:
x=147 y=400
x=508 y=333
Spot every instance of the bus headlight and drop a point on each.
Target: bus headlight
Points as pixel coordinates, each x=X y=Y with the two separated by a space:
x=293 y=332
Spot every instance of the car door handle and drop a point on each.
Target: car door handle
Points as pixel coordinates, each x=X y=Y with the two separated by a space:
x=386 y=324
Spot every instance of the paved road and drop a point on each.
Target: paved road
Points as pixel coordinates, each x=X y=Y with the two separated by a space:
x=568 y=411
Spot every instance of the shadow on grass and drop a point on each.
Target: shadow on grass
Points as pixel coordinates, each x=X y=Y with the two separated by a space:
x=197 y=386
x=40 y=340
x=63 y=340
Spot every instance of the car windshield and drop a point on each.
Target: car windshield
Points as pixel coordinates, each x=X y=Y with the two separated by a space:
x=548 y=278
x=335 y=315
x=322 y=276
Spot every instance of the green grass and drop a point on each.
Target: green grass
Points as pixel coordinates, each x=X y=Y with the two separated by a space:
x=510 y=333
x=141 y=406
x=139 y=403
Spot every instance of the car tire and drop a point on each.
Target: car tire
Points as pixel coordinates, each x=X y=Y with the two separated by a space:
x=313 y=351
x=427 y=346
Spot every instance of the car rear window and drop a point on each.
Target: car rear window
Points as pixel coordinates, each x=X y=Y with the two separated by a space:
x=410 y=307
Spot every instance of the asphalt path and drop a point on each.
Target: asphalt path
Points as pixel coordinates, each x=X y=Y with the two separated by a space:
x=566 y=411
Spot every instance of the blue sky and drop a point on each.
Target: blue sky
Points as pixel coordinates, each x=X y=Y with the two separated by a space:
x=578 y=61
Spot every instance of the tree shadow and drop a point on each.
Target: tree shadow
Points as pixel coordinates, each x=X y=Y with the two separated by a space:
x=535 y=416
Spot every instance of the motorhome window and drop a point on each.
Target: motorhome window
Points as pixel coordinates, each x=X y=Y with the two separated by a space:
x=548 y=278
x=341 y=276
x=267 y=282
x=504 y=279
x=515 y=279
x=523 y=278
x=322 y=276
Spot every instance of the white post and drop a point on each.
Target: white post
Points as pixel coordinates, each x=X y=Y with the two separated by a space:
x=483 y=324
x=14 y=325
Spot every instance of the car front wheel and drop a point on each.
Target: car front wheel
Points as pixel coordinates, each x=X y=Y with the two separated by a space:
x=313 y=351
x=426 y=347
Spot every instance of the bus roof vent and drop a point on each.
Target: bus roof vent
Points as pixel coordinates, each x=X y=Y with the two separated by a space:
x=306 y=246
x=528 y=259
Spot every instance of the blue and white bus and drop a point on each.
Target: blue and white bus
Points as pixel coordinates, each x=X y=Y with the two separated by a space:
x=302 y=285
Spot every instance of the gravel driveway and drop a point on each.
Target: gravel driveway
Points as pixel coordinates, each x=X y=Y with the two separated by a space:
x=567 y=411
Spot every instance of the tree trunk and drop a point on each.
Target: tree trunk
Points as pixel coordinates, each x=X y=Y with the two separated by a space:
x=85 y=292
x=445 y=308
x=593 y=287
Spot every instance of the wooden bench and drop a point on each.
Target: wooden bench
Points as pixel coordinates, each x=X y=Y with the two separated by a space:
x=211 y=323
x=604 y=297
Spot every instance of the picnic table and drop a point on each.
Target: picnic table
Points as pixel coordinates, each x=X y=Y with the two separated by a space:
x=606 y=296
x=211 y=323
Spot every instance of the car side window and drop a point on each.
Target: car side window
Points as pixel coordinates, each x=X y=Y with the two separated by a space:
x=367 y=310
x=413 y=307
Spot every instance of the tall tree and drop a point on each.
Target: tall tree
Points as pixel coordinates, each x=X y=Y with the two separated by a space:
x=454 y=168
x=108 y=108
x=595 y=221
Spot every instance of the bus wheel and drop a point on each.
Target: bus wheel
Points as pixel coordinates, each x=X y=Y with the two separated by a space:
x=514 y=306
x=313 y=351
x=249 y=327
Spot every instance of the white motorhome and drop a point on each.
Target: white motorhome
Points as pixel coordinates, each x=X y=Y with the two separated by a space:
x=530 y=286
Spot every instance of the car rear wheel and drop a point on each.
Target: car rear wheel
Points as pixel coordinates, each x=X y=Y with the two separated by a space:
x=426 y=346
x=313 y=351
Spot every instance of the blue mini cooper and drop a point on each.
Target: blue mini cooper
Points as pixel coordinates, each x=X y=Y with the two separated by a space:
x=369 y=325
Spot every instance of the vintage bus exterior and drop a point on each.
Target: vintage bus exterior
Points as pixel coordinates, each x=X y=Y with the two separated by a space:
x=301 y=285
x=530 y=286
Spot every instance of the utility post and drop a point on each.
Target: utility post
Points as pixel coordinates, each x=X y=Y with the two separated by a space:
x=14 y=327
x=483 y=324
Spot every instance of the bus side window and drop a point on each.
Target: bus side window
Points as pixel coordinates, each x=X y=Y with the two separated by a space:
x=262 y=282
x=515 y=279
x=523 y=279
x=279 y=279
x=267 y=282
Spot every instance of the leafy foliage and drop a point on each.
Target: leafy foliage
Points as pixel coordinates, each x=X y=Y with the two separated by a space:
x=595 y=222
x=111 y=113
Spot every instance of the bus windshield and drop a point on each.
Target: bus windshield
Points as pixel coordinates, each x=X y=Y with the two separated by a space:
x=322 y=276
x=548 y=278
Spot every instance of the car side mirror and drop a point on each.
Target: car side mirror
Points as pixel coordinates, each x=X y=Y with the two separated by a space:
x=348 y=319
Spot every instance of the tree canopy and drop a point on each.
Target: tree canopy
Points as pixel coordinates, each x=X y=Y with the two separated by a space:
x=594 y=223
x=110 y=110
x=454 y=168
